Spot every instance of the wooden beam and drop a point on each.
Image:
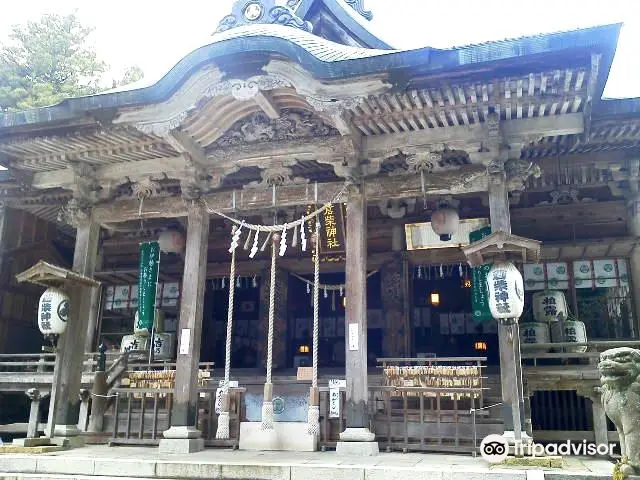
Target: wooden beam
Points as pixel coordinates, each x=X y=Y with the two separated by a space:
x=184 y=143
x=468 y=179
x=267 y=105
x=569 y=124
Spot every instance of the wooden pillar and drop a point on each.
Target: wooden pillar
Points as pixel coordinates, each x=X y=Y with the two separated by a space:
x=4 y=323
x=394 y=286
x=508 y=334
x=183 y=435
x=67 y=377
x=95 y=311
x=356 y=325
x=633 y=222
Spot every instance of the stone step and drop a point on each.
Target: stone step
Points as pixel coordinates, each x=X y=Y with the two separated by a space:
x=102 y=463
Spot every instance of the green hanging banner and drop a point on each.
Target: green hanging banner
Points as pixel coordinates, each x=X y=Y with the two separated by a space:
x=479 y=292
x=148 y=280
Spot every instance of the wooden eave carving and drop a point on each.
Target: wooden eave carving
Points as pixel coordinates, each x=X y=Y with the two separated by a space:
x=47 y=275
x=501 y=245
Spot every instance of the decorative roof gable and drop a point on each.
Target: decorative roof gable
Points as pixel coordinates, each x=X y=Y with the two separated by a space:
x=248 y=12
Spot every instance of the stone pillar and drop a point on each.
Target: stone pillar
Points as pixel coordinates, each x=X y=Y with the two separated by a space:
x=83 y=417
x=600 y=426
x=633 y=221
x=357 y=438
x=34 y=412
x=183 y=435
x=67 y=377
x=508 y=334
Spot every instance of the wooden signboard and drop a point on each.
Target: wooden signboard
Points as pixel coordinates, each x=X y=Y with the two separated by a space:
x=332 y=232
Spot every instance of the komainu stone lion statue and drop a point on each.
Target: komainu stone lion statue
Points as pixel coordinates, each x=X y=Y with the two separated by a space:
x=620 y=377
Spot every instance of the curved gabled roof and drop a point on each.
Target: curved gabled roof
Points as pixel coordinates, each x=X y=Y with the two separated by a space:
x=349 y=16
x=330 y=61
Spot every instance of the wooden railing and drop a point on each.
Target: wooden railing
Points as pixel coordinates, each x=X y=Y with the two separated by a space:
x=561 y=351
x=141 y=415
x=43 y=362
x=426 y=419
x=330 y=428
x=429 y=417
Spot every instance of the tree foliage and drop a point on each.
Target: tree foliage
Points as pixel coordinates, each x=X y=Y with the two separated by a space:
x=131 y=74
x=46 y=61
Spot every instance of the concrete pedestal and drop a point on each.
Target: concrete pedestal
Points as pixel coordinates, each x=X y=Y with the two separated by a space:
x=357 y=441
x=181 y=440
x=286 y=436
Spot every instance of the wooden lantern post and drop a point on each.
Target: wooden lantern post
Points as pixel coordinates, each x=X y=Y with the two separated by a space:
x=67 y=373
x=504 y=247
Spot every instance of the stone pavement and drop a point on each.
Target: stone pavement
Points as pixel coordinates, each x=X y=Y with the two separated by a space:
x=102 y=462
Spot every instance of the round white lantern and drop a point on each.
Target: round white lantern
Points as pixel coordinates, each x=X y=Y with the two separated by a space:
x=158 y=324
x=53 y=312
x=444 y=222
x=506 y=291
x=134 y=343
x=164 y=346
x=574 y=332
x=549 y=305
x=535 y=333
x=171 y=241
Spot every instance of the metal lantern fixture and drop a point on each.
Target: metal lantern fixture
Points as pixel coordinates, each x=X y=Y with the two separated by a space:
x=172 y=241
x=53 y=312
x=444 y=221
x=506 y=291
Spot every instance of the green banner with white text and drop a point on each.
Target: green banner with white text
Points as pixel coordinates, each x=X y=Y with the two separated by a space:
x=479 y=292
x=148 y=279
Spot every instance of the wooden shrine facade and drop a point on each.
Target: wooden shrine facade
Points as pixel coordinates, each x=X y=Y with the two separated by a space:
x=271 y=118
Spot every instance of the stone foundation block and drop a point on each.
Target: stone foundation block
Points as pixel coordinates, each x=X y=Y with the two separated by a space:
x=181 y=445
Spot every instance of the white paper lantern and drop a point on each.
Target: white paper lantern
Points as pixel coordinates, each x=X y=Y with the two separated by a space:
x=549 y=305
x=171 y=241
x=53 y=312
x=444 y=222
x=506 y=291
x=574 y=332
x=164 y=346
x=158 y=324
x=535 y=333
x=134 y=343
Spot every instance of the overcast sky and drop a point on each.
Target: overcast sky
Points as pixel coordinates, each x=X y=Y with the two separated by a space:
x=155 y=35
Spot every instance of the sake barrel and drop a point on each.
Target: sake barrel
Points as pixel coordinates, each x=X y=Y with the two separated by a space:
x=53 y=312
x=574 y=332
x=134 y=343
x=549 y=305
x=535 y=333
x=158 y=324
x=164 y=346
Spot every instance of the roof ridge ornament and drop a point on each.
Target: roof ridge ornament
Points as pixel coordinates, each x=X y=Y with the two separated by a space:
x=358 y=6
x=248 y=12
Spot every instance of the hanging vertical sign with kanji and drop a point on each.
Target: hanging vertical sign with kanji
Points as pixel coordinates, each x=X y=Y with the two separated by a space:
x=479 y=293
x=148 y=279
x=332 y=232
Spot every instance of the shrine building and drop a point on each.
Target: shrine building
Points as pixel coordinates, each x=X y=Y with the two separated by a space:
x=297 y=138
